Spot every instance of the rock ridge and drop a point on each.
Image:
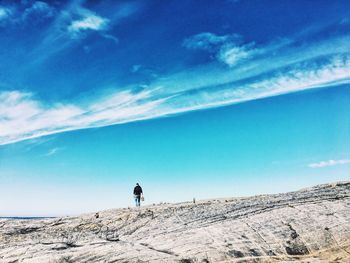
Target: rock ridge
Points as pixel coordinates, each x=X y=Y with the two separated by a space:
x=310 y=225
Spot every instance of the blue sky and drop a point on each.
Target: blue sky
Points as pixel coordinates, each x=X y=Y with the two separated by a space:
x=189 y=98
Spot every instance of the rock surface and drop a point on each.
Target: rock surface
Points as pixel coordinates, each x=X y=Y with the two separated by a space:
x=310 y=225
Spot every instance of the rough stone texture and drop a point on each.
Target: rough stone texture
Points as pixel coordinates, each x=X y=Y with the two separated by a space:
x=311 y=225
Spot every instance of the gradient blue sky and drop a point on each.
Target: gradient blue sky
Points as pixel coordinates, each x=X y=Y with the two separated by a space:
x=191 y=99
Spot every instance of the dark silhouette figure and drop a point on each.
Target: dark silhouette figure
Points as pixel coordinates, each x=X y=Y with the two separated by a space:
x=137 y=194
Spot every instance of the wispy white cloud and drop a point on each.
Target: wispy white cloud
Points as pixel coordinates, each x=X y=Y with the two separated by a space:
x=53 y=151
x=272 y=70
x=5 y=13
x=111 y=37
x=291 y=81
x=73 y=23
x=231 y=54
x=329 y=163
x=39 y=8
x=14 y=15
x=23 y=117
x=135 y=68
x=228 y=48
x=90 y=22
x=209 y=41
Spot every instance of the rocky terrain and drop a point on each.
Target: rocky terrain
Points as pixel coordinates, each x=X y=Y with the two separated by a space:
x=310 y=225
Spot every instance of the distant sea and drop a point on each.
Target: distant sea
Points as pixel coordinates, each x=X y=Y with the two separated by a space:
x=24 y=218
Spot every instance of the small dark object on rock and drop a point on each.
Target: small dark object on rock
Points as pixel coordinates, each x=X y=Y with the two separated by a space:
x=296 y=249
x=254 y=253
x=97 y=215
x=294 y=235
x=112 y=239
x=27 y=230
x=235 y=253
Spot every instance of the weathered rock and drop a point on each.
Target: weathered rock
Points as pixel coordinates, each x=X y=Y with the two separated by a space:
x=311 y=225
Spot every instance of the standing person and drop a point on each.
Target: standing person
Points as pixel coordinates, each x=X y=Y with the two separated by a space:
x=137 y=194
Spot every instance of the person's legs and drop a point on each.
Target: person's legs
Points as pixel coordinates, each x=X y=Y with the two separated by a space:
x=137 y=200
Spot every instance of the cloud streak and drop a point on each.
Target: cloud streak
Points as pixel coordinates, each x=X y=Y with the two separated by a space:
x=329 y=163
x=39 y=8
x=209 y=41
x=23 y=117
x=5 y=13
x=53 y=151
x=72 y=24
x=227 y=48
x=271 y=70
x=89 y=22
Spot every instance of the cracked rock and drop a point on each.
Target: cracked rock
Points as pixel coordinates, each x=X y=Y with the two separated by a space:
x=310 y=225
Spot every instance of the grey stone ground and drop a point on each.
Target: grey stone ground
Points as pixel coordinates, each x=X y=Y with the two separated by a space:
x=311 y=225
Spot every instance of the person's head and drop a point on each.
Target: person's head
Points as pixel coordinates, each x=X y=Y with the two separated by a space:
x=137 y=184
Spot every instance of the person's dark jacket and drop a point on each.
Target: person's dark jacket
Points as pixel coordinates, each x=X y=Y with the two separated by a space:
x=137 y=190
